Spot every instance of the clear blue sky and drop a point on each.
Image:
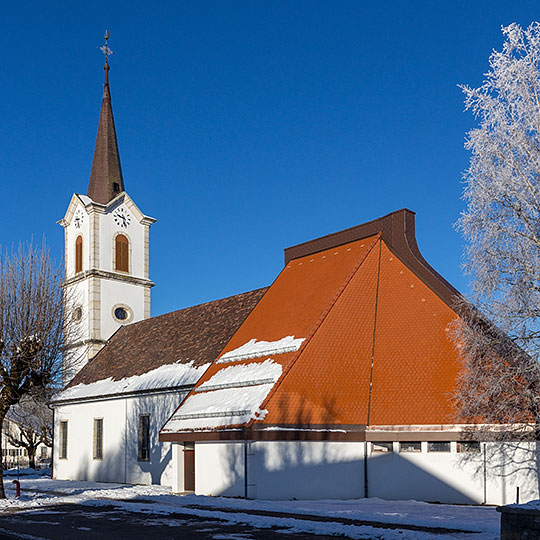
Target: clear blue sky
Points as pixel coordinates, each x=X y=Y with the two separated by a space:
x=245 y=127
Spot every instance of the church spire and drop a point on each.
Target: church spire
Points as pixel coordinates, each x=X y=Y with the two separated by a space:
x=106 y=179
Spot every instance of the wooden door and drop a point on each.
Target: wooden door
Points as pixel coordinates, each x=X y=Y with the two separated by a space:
x=189 y=466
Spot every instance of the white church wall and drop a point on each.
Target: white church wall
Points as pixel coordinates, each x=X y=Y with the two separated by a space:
x=306 y=470
x=135 y=232
x=120 y=440
x=177 y=468
x=219 y=468
x=454 y=477
x=115 y=293
x=71 y=234
x=281 y=470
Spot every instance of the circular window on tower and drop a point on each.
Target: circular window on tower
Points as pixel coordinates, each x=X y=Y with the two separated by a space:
x=122 y=313
x=77 y=314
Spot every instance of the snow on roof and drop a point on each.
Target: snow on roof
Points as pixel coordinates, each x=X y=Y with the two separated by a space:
x=218 y=401
x=254 y=349
x=166 y=376
x=85 y=199
x=225 y=407
x=243 y=375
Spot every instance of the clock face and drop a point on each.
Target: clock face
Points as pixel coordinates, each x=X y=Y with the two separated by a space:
x=79 y=218
x=121 y=218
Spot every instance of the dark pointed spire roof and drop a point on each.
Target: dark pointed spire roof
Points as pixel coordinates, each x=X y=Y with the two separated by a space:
x=106 y=179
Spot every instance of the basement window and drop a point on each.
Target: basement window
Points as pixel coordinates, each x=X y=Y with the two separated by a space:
x=410 y=446
x=382 y=447
x=469 y=447
x=439 y=446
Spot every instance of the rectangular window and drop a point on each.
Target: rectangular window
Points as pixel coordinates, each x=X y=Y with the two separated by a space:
x=98 y=438
x=415 y=446
x=143 y=451
x=43 y=452
x=63 y=439
x=469 y=446
x=382 y=447
x=439 y=446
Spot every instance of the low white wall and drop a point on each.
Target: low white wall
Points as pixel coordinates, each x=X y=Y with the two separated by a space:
x=335 y=470
x=279 y=470
x=490 y=476
x=306 y=470
x=120 y=440
x=219 y=468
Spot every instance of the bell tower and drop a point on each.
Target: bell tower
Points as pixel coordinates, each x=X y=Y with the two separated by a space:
x=106 y=237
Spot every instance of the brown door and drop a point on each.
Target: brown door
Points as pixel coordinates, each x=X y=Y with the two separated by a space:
x=189 y=466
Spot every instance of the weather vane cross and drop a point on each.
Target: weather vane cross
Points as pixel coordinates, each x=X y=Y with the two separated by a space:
x=105 y=49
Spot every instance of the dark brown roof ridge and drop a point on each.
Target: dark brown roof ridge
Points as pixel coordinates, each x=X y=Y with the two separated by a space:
x=398 y=231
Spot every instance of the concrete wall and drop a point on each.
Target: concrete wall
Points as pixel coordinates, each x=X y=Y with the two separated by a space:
x=319 y=470
x=120 y=438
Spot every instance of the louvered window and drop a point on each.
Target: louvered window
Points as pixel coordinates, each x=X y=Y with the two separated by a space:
x=122 y=253
x=78 y=254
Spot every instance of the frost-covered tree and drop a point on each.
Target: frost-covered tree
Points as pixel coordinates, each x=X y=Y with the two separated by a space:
x=500 y=382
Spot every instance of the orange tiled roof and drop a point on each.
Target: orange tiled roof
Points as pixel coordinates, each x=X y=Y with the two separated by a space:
x=401 y=327
x=374 y=316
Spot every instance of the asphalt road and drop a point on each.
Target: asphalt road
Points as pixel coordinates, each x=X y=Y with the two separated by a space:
x=73 y=521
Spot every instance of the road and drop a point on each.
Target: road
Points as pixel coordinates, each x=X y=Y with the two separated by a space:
x=74 y=521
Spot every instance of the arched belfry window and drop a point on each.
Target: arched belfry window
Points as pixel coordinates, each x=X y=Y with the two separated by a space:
x=78 y=254
x=121 y=248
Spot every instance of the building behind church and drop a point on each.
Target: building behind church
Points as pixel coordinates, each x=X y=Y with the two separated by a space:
x=334 y=382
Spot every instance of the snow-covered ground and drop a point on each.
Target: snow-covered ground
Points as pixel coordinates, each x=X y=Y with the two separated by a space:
x=39 y=492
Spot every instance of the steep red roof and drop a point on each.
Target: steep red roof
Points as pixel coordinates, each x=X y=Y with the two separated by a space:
x=374 y=318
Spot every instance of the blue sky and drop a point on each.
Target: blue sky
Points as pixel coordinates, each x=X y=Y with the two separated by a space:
x=245 y=127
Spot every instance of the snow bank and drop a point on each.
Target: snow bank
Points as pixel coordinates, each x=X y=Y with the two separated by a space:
x=483 y=520
x=167 y=376
x=254 y=349
x=28 y=472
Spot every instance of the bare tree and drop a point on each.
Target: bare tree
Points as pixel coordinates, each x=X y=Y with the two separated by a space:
x=32 y=326
x=500 y=381
x=31 y=424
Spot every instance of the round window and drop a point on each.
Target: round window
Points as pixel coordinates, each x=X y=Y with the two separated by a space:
x=121 y=313
x=77 y=314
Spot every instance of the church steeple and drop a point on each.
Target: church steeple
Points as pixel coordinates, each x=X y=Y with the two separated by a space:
x=106 y=179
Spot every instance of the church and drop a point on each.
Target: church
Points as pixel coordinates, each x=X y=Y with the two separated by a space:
x=335 y=381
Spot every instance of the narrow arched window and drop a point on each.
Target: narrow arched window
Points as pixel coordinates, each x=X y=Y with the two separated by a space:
x=121 y=253
x=78 y=254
